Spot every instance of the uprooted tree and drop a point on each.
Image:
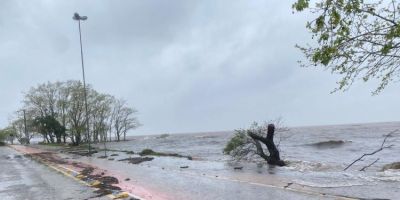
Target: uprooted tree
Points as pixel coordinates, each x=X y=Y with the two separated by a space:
x=247 y=143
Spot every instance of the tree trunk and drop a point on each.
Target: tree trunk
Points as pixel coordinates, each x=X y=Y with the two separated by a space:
x=58 y=138
x=51 y=138
x=72 y=138
x=273 y=158
x=77 y=139
x=47 y=139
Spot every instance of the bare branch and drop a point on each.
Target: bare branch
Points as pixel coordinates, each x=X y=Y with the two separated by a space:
x=374 y=152
x=365 y=167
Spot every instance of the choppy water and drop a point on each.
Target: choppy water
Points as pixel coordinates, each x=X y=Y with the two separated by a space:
x=314 y=160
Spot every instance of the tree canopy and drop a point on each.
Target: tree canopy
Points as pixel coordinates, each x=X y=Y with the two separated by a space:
x=359 y=40
x=56 y=110
x=48 y=125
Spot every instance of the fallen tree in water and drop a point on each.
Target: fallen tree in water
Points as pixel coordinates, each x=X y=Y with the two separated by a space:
x=248 y=143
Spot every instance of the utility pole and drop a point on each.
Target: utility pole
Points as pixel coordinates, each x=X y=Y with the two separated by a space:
x=25 y=129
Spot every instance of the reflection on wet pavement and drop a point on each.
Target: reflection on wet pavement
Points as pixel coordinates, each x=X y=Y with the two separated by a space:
x=22 y=179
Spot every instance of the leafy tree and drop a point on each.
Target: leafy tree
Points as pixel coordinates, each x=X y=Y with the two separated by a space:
x=3 y=136
x=49 y=126
x=7 y=134
x=355 y=39
x=18 y=127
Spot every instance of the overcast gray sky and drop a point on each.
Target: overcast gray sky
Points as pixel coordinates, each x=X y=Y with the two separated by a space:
x=187 y=66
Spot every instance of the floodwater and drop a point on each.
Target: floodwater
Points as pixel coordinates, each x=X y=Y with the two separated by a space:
x=316 y=157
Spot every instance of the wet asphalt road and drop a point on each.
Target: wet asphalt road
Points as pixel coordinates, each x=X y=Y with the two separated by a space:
x=23 y=179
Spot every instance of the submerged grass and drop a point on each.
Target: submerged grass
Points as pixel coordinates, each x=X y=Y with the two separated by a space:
x=150 y=152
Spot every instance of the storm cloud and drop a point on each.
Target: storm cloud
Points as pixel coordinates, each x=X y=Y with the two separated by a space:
x=187 y=66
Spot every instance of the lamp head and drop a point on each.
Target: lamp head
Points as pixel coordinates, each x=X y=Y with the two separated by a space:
x=77 y=17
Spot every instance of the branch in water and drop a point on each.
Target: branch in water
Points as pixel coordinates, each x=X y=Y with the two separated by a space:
x=374 y=152
x=365 y=167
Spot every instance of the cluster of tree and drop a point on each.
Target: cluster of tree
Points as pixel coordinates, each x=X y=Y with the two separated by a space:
x=57 y=112
x=355 y=39
x=15 y=131
x=4 y=136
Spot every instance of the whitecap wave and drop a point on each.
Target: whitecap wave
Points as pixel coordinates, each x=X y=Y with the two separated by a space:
x=330 y=144
x=304 y=166
x=331 y=184
x=388 y=175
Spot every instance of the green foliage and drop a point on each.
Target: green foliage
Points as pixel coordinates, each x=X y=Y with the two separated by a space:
x=3 y=137
x=49 y=125
x=147 y=152
x=301 y=5
x=240 y=138
x=61 y=106
x=355 y=39
x=7 y=133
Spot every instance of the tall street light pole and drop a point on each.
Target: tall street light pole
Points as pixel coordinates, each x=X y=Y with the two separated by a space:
x=79 y=18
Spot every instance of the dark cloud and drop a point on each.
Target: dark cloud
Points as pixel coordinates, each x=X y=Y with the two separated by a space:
x=185 y=65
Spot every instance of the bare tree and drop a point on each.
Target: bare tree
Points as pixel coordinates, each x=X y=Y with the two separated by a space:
x=62 y=105
x=123 y=119
x=100 y=111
